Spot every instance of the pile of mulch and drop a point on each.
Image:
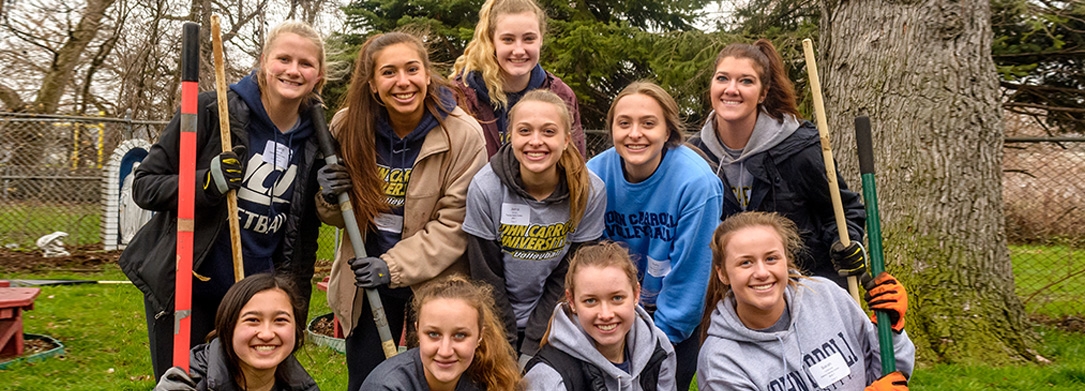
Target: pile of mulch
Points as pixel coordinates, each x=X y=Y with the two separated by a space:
x=324 y=326
x=35 y=346
x=83 y=259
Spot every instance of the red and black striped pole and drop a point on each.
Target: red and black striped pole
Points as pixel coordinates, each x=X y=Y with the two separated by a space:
x=186 y=194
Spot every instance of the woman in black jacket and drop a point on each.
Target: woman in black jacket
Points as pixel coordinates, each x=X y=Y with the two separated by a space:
x=272 y=168
x=258 y=328
x=770 y=158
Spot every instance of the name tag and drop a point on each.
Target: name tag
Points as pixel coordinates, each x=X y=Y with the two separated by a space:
x=657 y=268
x=515 y=214
x=829 y=371
x=277 y=155
x=388 y=222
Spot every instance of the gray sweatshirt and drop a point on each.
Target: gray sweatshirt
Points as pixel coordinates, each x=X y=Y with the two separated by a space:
x=567 y=336
x=767 y=133
x=826 y=324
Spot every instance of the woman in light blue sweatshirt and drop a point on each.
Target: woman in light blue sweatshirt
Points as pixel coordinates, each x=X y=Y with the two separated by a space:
x=663 y=202
x=771 y=328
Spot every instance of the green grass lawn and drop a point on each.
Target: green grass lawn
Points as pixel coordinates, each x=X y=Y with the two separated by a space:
x=105 y=338
x=23 y=223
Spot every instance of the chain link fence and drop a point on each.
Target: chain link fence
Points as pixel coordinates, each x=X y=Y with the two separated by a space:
x=52 y=170
x=1043 y=199
x=51 y=174
x=54 y=173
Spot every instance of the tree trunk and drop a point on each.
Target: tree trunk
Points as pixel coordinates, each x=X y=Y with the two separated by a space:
x=68 y=56
x=922 y=71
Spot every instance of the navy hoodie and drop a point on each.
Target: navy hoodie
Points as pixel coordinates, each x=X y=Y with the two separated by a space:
x=501 y=114
x=395 y=161
x=264 y=197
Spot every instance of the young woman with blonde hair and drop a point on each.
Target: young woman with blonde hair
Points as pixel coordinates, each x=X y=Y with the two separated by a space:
x=600 y=338
x=528 y=211
x=461 y=344
x=501 y=64
x=273 y=167
x=769 y=327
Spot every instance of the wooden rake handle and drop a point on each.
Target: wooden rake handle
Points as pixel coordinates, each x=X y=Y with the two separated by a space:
x=827 y=154
x=227 y=145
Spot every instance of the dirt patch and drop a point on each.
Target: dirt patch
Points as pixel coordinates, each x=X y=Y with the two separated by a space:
x=1068 y=323
x=85 y=259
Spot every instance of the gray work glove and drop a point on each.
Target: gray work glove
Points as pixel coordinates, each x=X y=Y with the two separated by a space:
x=333 y=179
x=370 y=272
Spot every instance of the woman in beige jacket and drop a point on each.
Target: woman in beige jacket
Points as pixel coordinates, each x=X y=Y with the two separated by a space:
x=409 y=154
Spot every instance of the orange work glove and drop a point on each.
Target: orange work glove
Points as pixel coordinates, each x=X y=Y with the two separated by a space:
x=892 y=382
x=886 y=293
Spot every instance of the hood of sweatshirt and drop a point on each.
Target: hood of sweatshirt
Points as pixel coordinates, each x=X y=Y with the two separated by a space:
x=501 y=114
x=401 y=152
x=249 y=92
x=567 y=335
x=768 y=132
x=730 y=327
x=507 y=169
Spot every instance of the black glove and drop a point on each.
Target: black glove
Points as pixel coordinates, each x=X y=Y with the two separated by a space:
x=850 y=261
x=370 y=272
x=176 y=379
x=226 y=171
x=333 y=179
x=885 y=293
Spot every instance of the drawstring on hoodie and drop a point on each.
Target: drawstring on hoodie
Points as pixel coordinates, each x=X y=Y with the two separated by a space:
x=783 y=356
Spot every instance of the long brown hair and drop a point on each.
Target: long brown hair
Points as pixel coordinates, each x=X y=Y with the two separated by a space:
x=494 y=366
x=675 y=126
x=479 y=55
x=780 y=99
x=784 y=227
x=576 y=173
x=356 y=129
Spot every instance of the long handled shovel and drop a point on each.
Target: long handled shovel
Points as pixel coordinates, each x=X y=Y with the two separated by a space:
x=874 y=235
x=827 y=154
x=316 y=111
x=224 y=133
x=186 y=194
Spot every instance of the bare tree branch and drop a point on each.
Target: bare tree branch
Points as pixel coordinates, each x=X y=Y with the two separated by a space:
x=11 y=99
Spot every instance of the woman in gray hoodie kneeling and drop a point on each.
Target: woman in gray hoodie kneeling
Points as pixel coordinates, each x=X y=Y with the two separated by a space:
x=599 y=337
x=769 y=327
